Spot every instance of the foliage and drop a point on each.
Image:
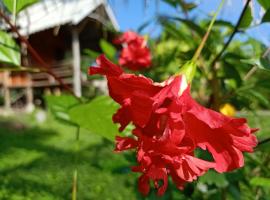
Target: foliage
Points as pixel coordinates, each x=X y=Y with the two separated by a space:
x=175 y=47
x=60 y=105
x=260 y=181
x=96 y=116
x=9 y=51
x=186 y=6
x=264 y=3
x=247 y=19
x=266 y=17
x=108 y=49
x=20 y=4
x=48 y=149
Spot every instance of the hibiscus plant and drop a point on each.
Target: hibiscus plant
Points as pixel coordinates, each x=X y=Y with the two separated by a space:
x=175 y=139
x=172 y=103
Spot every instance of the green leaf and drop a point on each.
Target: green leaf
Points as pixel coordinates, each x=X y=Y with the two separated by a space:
x=96 y=116
x=262 y=63
x=264 y=147
x=264 y=3
x=234 y=191
x=92 y=54
x=260 y=181
x=258 y=48
x=21 y=4
x=213 y=178
x=60 y=105
x=224 y=24
x=171 y=30
x=145 y=24
x=108 y=49
x=186 y=6
x=247 y=19
x=263 y=82
x=9 y=50
x=265 y=63
x=266 y=17
x=171 y=2
x=193 y=26
x=260 y=97
x=231 y=72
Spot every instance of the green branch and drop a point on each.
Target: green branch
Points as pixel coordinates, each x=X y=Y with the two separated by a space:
x=205 y=37
x=75 y=173
x=190 y=67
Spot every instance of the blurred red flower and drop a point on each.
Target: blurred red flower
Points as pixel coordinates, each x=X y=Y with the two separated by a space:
x=169 y=126
x=135 y=55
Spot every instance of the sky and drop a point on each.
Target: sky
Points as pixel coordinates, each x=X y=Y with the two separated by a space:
x=131 y=14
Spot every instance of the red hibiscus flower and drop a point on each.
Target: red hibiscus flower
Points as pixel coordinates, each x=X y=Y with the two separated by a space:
x=169 y=126
x=129 y=37
x=135 y=55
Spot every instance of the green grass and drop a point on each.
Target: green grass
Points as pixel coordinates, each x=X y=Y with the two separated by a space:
x=37 y=162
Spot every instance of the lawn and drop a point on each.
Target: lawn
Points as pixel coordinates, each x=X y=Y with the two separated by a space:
x=37 y=161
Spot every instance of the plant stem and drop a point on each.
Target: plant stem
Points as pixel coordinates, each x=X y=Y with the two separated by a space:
x=190 y=67
x=255 y=67
x=250 y=72
x=74 y=187
x=215 y=86
x=75 y=173
x=205 y=37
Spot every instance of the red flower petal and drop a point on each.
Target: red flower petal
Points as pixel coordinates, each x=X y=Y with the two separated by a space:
x=134 y=55
x=224 y=137
x=155 y=174
x=105 y=67
x=169 y=126
x=128 y=37
x=124 y=143
x=191 y=167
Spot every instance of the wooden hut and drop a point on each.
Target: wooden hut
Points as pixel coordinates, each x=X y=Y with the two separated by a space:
x=58 y=30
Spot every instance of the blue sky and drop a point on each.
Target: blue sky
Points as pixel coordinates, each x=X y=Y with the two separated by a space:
x=131 y=14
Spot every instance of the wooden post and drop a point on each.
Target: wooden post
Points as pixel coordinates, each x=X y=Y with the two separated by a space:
x=29 y=94
x=29 y=87
x=6 y=90
x=76 y=63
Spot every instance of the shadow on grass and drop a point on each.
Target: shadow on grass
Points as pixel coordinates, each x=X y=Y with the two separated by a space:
x=30 y=168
